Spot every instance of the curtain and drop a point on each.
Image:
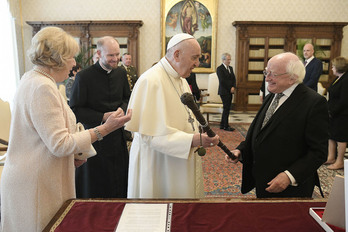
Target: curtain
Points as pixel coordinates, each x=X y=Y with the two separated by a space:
x=9 y=71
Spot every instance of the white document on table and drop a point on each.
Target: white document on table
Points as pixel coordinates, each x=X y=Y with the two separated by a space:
x=144 y=218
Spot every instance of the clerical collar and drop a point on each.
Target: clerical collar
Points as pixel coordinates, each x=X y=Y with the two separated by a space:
x=168 y=67
x=103 y=67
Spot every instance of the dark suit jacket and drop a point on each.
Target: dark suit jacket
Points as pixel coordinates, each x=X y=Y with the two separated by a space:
x=294 y=139
x=191 y=80
x=263 y=88
x=226 y=80
x=338 y=96
x=313 y=72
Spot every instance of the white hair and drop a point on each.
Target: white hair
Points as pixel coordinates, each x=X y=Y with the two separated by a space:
x=295 y=68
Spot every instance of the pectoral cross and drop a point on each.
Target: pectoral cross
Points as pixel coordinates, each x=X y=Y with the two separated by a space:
x=191 y=120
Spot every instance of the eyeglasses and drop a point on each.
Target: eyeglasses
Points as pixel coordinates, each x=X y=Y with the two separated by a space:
x=266 y=73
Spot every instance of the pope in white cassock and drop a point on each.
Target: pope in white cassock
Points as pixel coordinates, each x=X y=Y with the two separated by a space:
x=162 y=160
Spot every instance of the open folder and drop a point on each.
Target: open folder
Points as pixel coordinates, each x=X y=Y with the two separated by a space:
x=332 y=217
x=334 y=212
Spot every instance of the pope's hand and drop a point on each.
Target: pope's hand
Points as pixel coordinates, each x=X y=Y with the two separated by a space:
x=204 y=140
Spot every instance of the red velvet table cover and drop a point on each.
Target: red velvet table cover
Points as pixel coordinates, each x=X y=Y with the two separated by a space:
x=191 y=217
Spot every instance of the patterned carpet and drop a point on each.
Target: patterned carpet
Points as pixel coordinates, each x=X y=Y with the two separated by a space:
x=222 y=179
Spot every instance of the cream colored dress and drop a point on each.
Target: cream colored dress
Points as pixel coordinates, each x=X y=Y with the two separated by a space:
x=39 y=171
x=162 y=163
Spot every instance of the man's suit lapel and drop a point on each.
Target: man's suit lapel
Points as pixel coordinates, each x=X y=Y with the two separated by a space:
x=226 y=71
x=262 y=112
x=308 y=66
x=229 y=72
x=283 y=111
x=255 y=126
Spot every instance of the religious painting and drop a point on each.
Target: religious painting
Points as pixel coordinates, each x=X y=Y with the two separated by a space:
x=197 y=18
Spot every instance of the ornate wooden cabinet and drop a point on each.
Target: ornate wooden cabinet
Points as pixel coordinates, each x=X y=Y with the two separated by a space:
x=87 y=30
x=257 y=42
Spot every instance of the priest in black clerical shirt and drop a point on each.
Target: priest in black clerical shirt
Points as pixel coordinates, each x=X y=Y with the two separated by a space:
x=97 y=91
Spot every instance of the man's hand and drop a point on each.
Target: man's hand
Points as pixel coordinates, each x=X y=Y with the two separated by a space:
x=279 y=183
x=237 y=153
x=78 y=163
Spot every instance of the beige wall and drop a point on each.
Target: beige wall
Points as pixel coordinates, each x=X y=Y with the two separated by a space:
x=149 y=12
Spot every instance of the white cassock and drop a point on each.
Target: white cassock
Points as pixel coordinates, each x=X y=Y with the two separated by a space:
x=162 y=163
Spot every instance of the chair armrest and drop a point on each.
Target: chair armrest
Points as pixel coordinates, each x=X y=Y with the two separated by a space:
x=201 y=99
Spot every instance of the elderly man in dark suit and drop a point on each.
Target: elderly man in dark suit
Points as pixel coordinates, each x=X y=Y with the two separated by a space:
x=227 y=84
x=284 y=148
x=314 y=67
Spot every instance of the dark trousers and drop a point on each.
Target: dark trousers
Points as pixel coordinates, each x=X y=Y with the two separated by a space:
x=226 y=102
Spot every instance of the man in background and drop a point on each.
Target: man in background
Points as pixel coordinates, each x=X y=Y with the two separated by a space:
x=162 y=159
x=132 y=77
x=130 y=69
x=263 y=89
x=70 y=81
x=288 y=139
x=227 y=85
x=314 y=67
x=95 y=57
x=98 y=91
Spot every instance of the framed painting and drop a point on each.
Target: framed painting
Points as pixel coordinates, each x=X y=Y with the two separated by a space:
x=197 y=18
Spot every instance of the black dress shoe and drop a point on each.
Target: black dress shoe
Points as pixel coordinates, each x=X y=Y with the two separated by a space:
x=229 y=129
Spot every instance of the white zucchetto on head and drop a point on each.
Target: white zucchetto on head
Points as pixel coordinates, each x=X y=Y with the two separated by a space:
x=177 y=39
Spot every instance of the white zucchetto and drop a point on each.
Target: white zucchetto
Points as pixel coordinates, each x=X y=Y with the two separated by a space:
x=177 y=39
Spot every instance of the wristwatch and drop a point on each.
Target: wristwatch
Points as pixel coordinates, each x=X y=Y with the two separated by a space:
x=98 y=134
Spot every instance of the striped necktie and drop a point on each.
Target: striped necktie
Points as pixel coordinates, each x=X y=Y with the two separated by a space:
x=272 y=108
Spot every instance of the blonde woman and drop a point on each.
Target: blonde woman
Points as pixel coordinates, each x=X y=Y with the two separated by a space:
x=338 y=112
x=39 y=172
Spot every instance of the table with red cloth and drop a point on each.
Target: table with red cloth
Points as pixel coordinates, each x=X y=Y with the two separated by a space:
x=194 y=215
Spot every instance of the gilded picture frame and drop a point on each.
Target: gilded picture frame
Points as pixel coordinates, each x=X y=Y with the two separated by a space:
x=198 y=18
